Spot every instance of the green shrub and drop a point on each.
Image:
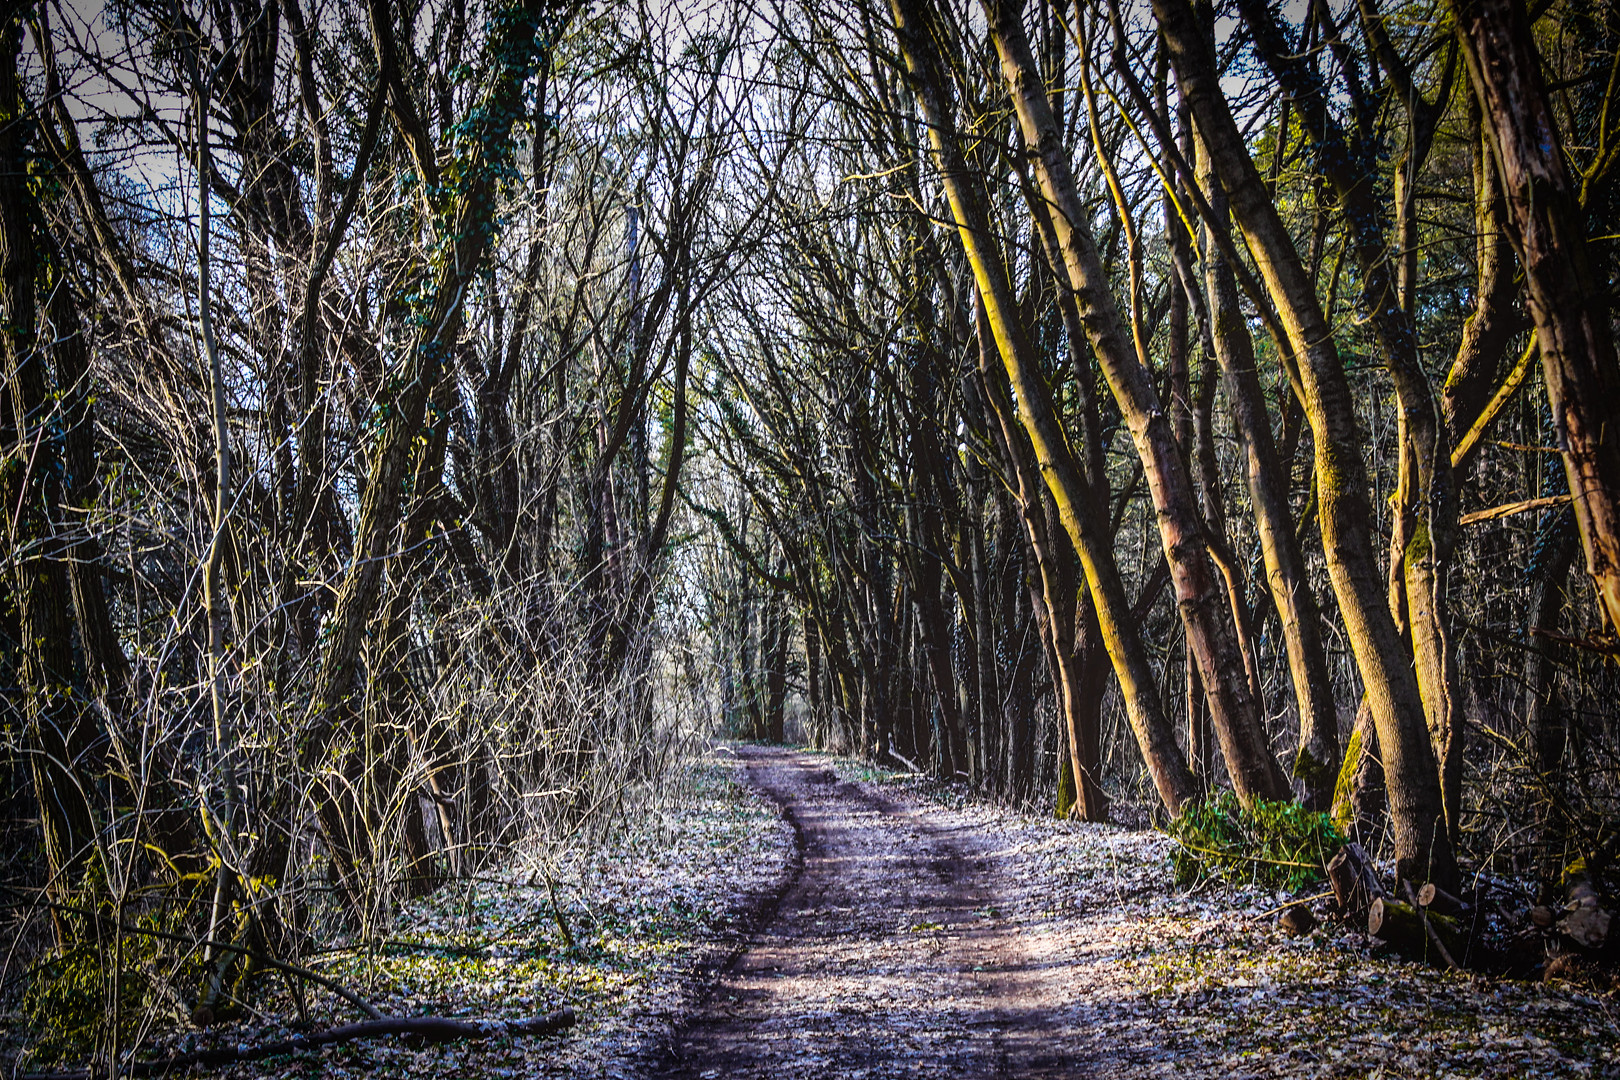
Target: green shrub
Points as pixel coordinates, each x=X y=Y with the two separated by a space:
x=1278 y=844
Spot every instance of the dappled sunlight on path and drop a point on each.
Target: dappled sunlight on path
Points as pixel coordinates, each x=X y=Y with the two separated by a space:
x=914 y=939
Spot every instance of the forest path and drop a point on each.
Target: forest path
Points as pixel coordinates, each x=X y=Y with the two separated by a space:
x=888 y=955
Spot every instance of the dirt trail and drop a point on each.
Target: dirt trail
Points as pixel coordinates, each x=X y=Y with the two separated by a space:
x=888 y=955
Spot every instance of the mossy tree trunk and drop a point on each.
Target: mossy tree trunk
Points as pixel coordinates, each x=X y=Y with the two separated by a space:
x=1317 y=760
x=1058 y=465
x=1423 y=848
x=1213 y=635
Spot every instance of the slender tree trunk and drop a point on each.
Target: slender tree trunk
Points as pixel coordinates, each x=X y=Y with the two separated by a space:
x=814 y=694
x=1547 y=719
x=1058 y=464
x=775 y=641
x=1317 y=760
x=1490 y=328
x=58 y=735
x=1053 y=560
x=225 y=804
x=1026 y=649
x=1423 y=848
x=1568 y=299
x=1181 y=419
x=1212 y=634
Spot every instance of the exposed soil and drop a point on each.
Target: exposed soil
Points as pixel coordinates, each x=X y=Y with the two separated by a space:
x=914 y=939
x=890 y=952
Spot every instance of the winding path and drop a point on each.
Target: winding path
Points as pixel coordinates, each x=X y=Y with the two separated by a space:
x=888 y=955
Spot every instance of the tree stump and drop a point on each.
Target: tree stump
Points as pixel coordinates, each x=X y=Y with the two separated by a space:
x=1401 y=927
x=1355 y=885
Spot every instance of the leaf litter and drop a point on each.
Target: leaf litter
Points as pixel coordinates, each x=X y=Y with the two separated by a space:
x=665 y=900
x=1142 y=979
x=1161 y=981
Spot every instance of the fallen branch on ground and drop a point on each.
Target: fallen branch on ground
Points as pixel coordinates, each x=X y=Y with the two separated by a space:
x=907 y=762
x=224 y=946
x=431 y=1028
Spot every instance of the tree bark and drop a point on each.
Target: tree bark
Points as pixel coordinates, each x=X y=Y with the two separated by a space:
x=1081 y=721
x=1423 y=849
x=1487 y=332
x=1567 y=298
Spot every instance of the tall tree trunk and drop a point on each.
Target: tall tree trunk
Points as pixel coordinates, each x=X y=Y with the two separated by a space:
x=1424 y=526
x=1037 y=413
x=775 y=639
x=1212 y=634
x=1316 y=762
x=1181 y=421
x=471 y=223
x=57 y=733
x=1423 y=848
x=1568 y=299
x=1054 y=563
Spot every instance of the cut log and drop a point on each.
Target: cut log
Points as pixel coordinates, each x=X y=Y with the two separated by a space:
x=1401 y=926
x=1585 y=921
x=1297 y=921
x=1355 y=885
x=430 y=1028
x=1436 y=899
x=1569 y=965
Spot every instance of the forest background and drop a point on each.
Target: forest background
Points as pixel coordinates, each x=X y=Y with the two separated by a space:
x=424 y=422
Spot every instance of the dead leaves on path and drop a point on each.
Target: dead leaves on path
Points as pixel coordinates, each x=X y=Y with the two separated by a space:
x=1158 y=983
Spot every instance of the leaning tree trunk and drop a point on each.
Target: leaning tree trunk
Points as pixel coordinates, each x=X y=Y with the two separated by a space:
x=1424 y=524
x=1212 y=633
x=1049 y=546
x=1317 y=760
x=1423 y=849
x=1568 y=299
x=1038 y=415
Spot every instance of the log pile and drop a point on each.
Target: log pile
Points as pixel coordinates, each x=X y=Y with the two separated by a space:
x=1424 y=927
x=1576 y=936
x=1416 y=932
x=1571 y=933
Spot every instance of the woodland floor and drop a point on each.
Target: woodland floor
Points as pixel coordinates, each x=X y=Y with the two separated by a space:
x=799 y=916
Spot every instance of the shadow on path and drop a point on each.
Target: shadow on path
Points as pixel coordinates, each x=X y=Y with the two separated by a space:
x=886 y=956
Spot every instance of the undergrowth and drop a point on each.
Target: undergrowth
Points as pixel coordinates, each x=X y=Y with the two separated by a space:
x=1278 y=844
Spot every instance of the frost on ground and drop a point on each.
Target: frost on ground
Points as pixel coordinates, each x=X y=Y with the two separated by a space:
x=1159 y=981
x=667 y=898
x=1114 y=971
